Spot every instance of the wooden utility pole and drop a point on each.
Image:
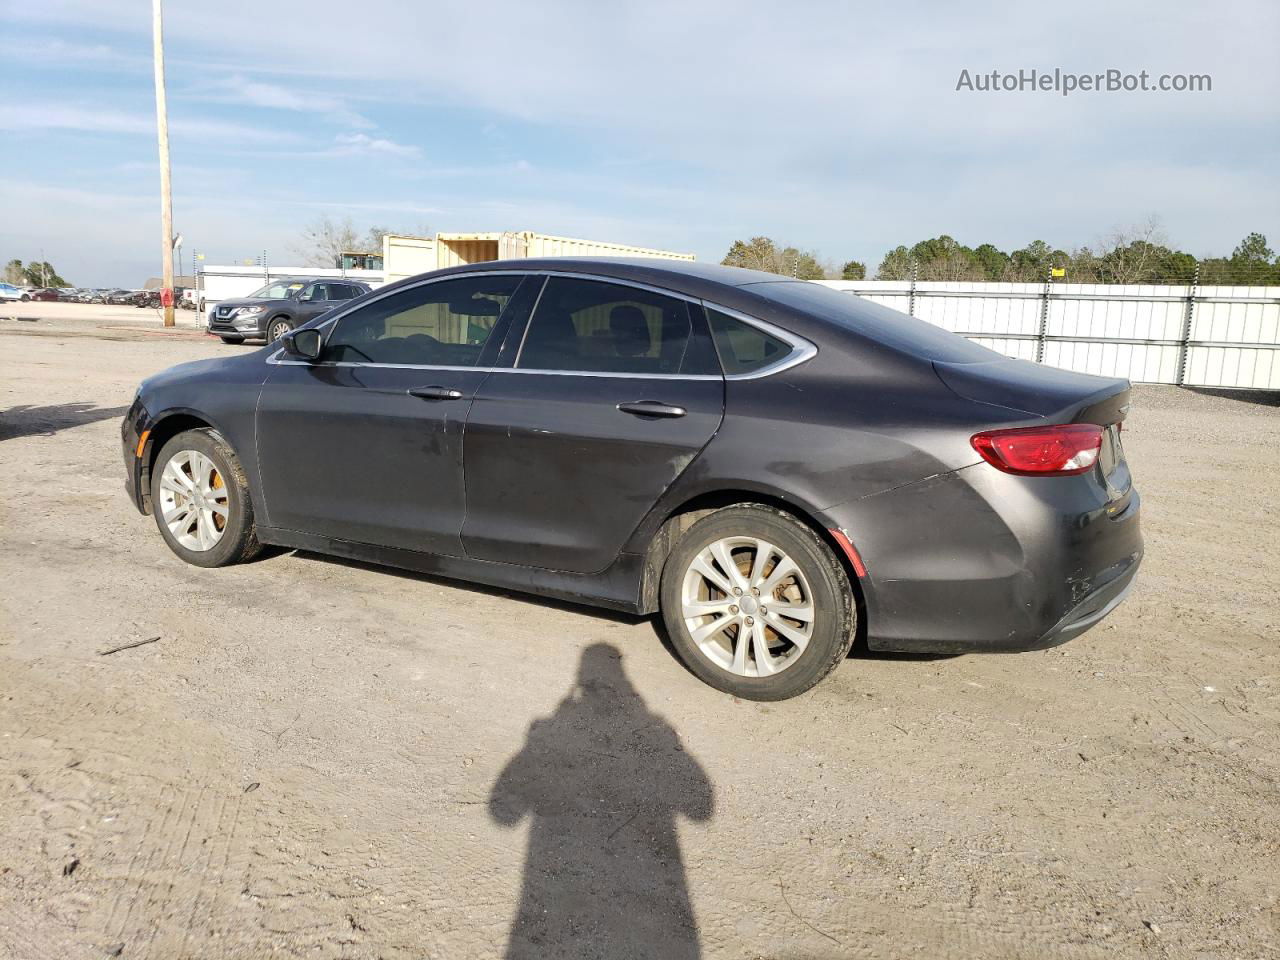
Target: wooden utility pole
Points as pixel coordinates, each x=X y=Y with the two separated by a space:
x=166 y=195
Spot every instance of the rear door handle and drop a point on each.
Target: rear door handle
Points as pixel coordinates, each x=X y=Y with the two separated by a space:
x=651 y=408
x=435 y=392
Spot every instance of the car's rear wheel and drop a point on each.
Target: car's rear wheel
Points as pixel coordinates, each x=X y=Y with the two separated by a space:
x=278 y=328
x=233 y=339
x=200 y=499
x=756 y=604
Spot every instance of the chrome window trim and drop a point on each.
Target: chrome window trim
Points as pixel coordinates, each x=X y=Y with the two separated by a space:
x=802 y=350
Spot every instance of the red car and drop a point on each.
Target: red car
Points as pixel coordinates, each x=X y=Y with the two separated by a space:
x=47 y=294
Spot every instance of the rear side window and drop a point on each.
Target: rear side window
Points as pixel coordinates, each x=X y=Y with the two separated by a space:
x=742 y=347
x=438 y=324
x=593 y=326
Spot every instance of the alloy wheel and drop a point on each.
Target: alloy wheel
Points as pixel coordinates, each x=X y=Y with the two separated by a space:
x=278 y=330
x=748 y=606
x=193 y=500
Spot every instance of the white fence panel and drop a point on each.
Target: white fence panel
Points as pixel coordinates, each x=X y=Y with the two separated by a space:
x=1205 y=336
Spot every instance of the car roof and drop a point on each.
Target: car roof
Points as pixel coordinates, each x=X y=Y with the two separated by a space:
x=801 y=306
x=316 y=280
x=627 y=267
x=732 y=286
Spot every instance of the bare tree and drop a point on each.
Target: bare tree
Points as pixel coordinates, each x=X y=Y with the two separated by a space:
x=324 y=241
x=1127 y=254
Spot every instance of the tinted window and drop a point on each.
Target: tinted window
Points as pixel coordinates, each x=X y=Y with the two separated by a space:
x=890 y=327
x=342 y=291
x=608 y=328
x=742 y=347
x=437 y=324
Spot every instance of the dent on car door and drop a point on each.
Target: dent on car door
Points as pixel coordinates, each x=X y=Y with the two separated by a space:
x=366 y=445
x=615 y=391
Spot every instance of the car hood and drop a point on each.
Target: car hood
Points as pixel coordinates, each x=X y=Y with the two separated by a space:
x=252 y=303
x=185 y=371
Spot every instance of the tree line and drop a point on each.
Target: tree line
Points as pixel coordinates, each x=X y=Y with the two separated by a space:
x=34 y=274
x=1134 y=255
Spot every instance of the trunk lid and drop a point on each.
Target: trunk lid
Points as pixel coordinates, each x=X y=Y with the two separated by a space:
x=1060 y=396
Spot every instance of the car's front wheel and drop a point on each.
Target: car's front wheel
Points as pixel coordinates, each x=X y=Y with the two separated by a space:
x=200 y=499
x=277 y=328
x=756 y=604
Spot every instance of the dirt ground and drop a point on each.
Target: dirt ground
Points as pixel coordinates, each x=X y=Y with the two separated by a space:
x=320 y=759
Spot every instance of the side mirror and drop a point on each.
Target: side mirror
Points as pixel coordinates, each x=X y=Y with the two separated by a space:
x=302 y=344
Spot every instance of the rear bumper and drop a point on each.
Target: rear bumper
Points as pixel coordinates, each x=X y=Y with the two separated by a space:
x=981 y=561
x=1092 y=610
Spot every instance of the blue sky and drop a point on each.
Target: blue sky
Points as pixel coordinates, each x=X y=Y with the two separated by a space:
x=835 y=126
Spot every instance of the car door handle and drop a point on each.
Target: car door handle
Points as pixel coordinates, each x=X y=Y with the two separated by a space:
x=651 y=408
x=435 y=392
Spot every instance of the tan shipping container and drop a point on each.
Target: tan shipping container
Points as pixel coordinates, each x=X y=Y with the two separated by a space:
x=408 y=256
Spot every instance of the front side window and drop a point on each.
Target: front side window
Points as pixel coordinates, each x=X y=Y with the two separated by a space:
x=593 y=326
x=742 y=347
x=446 y=323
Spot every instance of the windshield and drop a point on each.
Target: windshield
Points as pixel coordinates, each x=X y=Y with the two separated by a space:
x=280 y=290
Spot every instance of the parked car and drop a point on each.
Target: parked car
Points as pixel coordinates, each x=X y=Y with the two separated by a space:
x=280 y=306
x=121 y=297
x=48 y=294
x=771 y=465
x=9 y=292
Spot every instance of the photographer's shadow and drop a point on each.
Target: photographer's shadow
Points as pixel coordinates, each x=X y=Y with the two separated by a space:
x=602 y=780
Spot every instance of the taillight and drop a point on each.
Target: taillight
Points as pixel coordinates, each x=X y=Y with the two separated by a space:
x=1054 y=451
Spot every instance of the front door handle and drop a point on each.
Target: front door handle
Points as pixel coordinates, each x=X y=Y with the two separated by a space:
x=435 y=392
x=651 y=408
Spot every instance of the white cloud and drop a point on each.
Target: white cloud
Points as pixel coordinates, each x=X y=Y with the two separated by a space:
x=361 y=144
x=257 y=93
x=61 y=54
x=31 y=118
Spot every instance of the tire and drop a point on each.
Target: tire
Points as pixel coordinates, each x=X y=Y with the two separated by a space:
x=277 y=328
x=235 y=340
x=26 y=298
x=819 y=587
x=205 y=456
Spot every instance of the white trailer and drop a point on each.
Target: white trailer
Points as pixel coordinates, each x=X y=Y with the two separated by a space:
x=217 y=283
